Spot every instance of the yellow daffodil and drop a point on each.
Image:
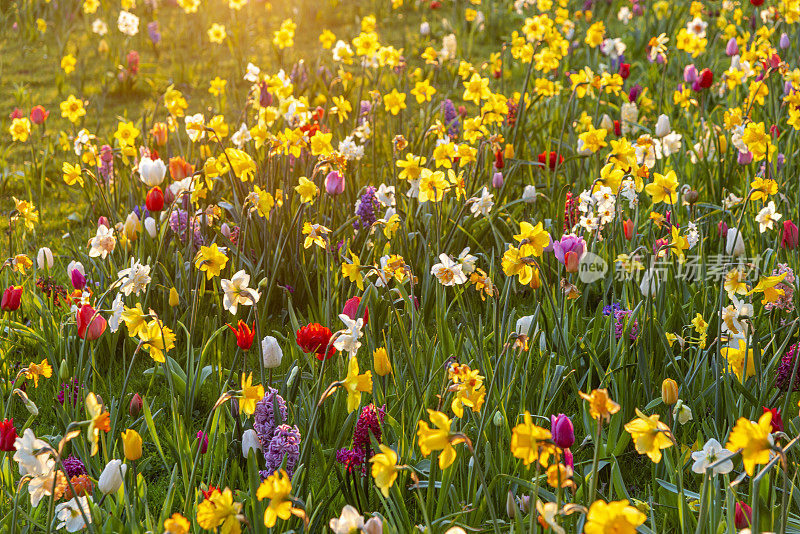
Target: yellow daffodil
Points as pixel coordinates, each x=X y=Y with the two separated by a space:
x=384 y=469
x=753 y=439
x=650 y=435
x=529 y=442
x=600 y=404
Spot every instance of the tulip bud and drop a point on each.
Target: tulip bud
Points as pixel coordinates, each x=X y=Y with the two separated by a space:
x=292 y=375
x=380 y=361
x=627 y=228
x=111 y=477
x=691 y=196
x=571 y=261
x=135 y=406
x=662 y=126
x=29 y=404
x=202 y=438
x=154 y=201
x=732 y=48
x=150 y=226
x=77 y=278
x=250 y=442
x=174 y=299
x=497 y=418
x=723 y=229
x=63 y=371
x=159 y=133
x=562 y=431
x=334 y=183
x=132 y=444
x=271 y=352
x=529 y=194
x=606 y=123
x=497 y=180
x=743 y=515
x=669 y=391
x=734 y=244
x=784 y=41
x=511 y=505
x=690 y=73
x=789 y=235
x=44 y=258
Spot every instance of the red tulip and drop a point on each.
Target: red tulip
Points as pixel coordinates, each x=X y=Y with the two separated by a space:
x=625 y=70
x=8 y=434
x=777 y=420
x=316 y=338
x=757 y=3
x=351 y=309
x=154 y=201
x=627 y=227
x=743 y=515
x=789 y=235
x=39 y=115
x=244 y=335
x=617 y=129
x=551 y=160
x=706 y=79
x=498 y=160
x=12 y=297
x=136 y=405
x=91 y=325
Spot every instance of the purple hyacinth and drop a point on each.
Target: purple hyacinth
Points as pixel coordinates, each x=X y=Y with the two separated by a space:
x=612 y=308
x=264 y=422
x=366 y=207
x=786 y=369
x=285 y=443
x=450 y=118
x=74 y=467
x=621 y=317
x=364 y=109
x=70 y=391
x=152 y=31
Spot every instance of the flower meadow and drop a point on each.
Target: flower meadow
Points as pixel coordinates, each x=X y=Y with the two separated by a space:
x=443 y=266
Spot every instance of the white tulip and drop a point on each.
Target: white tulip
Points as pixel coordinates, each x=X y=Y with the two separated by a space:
x=152 y=172
x=271 y=352
x=524 y=325
x=250 y=442
x=662 y=126
x=529 y=194
x=150 y=226
x=650 y=282
x=111 y=477
x=44 y=258
x=734 y=244
x=425 y=28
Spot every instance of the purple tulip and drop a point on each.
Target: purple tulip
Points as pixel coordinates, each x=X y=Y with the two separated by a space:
x=562 y=430
x=78 y=279
x=690 y=73
x=745 y=158
x=334 y=183
x=784 y=42
x=732 y=48
x=497 y=180
x=569 y=243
